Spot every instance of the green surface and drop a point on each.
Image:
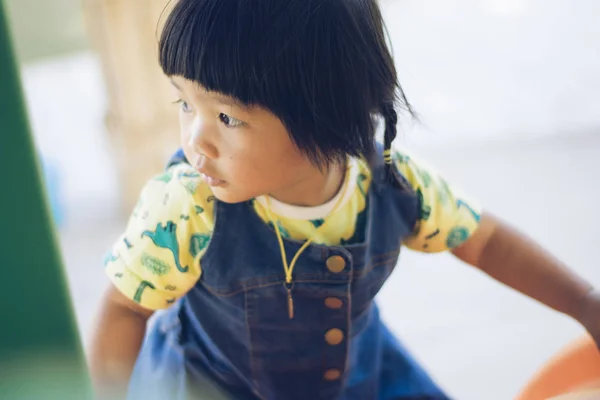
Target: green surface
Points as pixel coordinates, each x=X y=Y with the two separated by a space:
x=40 y=351
x=46 y=28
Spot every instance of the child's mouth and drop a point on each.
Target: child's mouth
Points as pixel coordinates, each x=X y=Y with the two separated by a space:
x=212 y=181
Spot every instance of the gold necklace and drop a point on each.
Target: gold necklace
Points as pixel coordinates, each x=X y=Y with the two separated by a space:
x=289 y=268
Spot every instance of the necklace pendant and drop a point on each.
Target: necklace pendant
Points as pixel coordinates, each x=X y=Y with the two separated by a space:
x=290 y=303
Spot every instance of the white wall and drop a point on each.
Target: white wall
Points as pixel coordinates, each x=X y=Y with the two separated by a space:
x=498 y=68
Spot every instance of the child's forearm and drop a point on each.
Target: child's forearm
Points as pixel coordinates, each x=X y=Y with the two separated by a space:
x=116 y=345
x=513 y=259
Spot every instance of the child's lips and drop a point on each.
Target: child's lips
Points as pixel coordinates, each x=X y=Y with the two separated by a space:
x=211 y=180
x=205 y=173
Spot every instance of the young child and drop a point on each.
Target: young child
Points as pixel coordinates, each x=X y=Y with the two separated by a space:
x=271 y=232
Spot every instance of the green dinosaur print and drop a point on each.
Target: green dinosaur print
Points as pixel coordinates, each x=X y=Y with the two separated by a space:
x=426 y=178
x=140 y=290
x=198 y=242
x=317 y=222
x=282 y=230
x=170 y=288
x=127 y=243
x=460 y=203
x=401 y=158
x=425 y=209
x=184 y=217
x=171 y=301
x=210 y=199
x=404 y=159
x=118 y=275
x=457 y=236
x=155 y=265
x=444 y=193
x=110 y=257
x=199 y=210
x=166 y=177
x=190 y=186
x=166 y=237
x=188 y=174
x=360 y=179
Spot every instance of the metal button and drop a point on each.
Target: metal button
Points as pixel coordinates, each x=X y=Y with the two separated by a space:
x=334 y=336
x=336 y=264
x=332 y=374
x=333 y=302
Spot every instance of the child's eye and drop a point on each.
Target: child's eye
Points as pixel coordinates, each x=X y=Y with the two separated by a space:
x=185 y=107
x=229 y=122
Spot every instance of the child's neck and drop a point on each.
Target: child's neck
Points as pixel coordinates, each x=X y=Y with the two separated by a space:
x=316 y=189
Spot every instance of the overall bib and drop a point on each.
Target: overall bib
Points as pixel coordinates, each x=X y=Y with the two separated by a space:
x=231 y=335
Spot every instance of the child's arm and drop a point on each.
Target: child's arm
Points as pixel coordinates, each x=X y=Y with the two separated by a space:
x=153 y=263
x=450 y=221
x=116 y=343
x=513 y=259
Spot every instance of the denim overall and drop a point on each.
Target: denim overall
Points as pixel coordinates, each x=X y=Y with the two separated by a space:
x=231 y=336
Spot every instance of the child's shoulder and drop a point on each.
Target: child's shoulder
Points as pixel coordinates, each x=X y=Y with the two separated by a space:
x=167 y=234
x=177 y=193
x=414 y=171
x=412 y=168
x=447 y=217
x=181 y=180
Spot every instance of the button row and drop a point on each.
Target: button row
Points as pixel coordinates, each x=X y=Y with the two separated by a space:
x=335 y=336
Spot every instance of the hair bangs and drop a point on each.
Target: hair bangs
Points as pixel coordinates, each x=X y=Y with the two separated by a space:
x=321 y=66
x=199 y=45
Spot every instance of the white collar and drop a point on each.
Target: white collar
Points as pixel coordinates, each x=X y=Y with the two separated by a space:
x=320 y=211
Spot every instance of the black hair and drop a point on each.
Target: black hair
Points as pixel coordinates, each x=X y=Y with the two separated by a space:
x=323 y=67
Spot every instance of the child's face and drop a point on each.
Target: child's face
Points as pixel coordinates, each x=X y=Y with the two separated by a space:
x=242 y=153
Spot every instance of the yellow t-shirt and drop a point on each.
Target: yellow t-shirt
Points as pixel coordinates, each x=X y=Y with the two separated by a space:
x=157 y=259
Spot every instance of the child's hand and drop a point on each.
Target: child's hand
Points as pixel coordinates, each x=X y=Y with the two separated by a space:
x=590 y=317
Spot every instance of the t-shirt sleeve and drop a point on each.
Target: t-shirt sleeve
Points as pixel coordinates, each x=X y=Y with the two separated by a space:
x=447 y=218
x=157 y=259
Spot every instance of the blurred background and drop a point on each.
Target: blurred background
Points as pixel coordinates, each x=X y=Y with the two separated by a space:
x=507 y=93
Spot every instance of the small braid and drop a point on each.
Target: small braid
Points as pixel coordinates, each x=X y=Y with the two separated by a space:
x=391 y=120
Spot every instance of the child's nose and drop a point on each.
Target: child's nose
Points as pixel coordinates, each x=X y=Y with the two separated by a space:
x=200 y=139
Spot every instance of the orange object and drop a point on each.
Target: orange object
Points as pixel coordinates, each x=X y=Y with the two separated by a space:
x=574 y=373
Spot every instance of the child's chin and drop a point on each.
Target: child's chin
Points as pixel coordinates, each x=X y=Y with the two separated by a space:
x=226 y=195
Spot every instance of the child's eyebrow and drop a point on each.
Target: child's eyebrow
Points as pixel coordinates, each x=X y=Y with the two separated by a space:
x=221 y=98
